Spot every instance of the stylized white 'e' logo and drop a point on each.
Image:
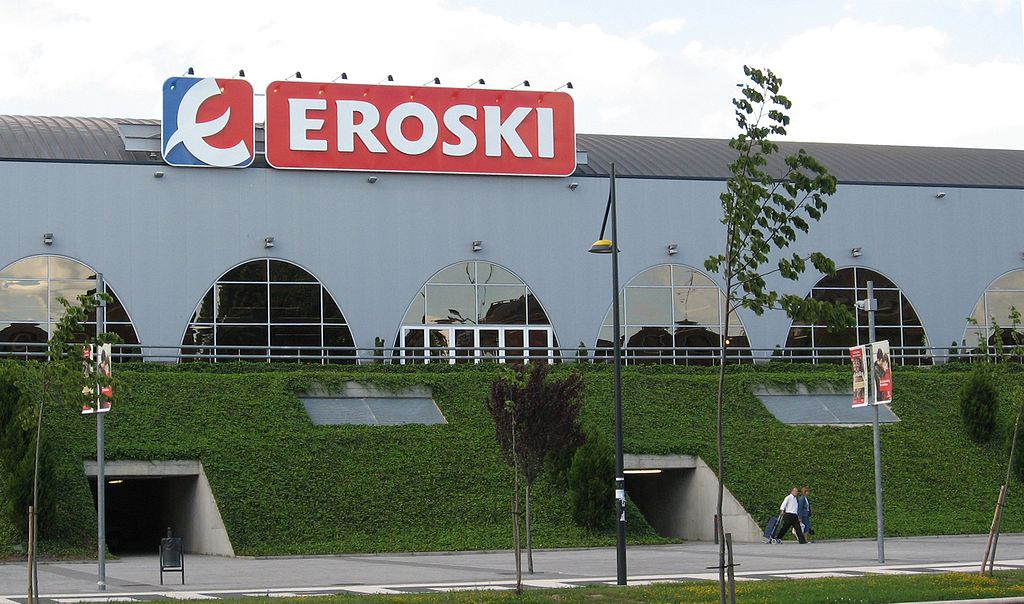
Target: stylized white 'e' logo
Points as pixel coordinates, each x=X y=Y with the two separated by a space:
x=193 y=134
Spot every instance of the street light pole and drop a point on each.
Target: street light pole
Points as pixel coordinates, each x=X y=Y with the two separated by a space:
x=604 y=246
x=101 y=483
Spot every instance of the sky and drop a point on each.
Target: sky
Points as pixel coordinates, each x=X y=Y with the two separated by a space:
x=898 y=72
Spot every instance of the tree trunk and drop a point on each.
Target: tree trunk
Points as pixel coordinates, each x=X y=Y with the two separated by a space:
x=719 y=434
x=529 y=532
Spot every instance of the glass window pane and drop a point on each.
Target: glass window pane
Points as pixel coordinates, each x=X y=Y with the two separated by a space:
x=538 y=344
x=450 y=304
x=1011 y=280
x=332 y=314
x=242 y=336
x=864 y=275
x=27 y=268
x=289 y=273
x=204 y=314
x=692 y=336
x=127 y=333
x=237 y=303
x=697 y=305
x=909 y=315
x=999 y=304
x=465 y=345
x=648 y=305
x=439 y=343
x=415 y=314
x=63 y=268
x=69 y=290
x=649 y=337
x=656 y=275
x=293 y=339
x=622 y=314
x=799 y=337
x=492 y=274
x=295 y=303
x=463 y=273
x=116 y=312
x=23 y=301
x=842 y=278
x=888 y=333
x=413 y=343
x=978 y=314
x=198 y=335
x=502 y=304
x=843 y=338
x=685 y=276
x=537 y=315
x=489 y=342
x=24 y=333
x=888 y=312
x=514 y=341
x=250 y=271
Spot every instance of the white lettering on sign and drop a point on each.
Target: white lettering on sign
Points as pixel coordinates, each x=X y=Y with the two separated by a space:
x=496 y=131
x=453 y=122
x=397 y=138
x=300 y=124
x=348 y=129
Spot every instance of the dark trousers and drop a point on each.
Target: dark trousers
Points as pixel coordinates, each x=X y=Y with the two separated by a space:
x=791 y=521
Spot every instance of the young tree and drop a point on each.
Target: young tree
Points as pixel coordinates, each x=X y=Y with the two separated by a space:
x=535 y=418
x=762 y=213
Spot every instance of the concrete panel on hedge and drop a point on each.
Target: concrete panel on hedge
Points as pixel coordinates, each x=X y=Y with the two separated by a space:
x=367 y=405
x=819 y=407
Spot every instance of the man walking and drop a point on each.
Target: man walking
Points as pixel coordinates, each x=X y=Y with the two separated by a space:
x=788 y=511
x=804 y=510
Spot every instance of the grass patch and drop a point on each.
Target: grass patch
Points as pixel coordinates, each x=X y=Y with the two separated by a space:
x=872 y=589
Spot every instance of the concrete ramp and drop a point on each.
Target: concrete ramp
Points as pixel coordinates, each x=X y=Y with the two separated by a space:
x=678 y=494
x=145 y=497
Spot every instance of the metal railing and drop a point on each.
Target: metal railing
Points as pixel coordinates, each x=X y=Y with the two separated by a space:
x=694 y=356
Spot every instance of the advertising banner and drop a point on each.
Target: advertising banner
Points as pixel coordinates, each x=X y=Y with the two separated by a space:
x=387 y=128
x=860 y=378
x=882 y=372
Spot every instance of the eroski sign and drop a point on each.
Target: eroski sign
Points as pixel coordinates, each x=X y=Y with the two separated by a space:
x=384 y=128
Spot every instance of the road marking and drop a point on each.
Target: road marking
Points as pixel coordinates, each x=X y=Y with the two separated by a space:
x=372 y=590
x=183 y=595
x=473 y=588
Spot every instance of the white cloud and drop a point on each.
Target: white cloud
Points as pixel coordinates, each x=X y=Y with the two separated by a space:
x=668 y=25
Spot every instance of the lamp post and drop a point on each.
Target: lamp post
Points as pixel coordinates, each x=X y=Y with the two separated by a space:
x=605 y=246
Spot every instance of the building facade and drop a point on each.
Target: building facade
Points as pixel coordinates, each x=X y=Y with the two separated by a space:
x=285 y=264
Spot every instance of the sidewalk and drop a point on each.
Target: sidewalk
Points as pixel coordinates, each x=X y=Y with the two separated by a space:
x=138 y=576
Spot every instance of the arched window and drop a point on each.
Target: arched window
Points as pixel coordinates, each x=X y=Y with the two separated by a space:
x=29 y=309
x=473 y=311
x=268 y=310
x=895 y=320
x=995 y=310
x=673 y=314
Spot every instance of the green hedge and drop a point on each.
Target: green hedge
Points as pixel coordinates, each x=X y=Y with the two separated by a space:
x=285 y=487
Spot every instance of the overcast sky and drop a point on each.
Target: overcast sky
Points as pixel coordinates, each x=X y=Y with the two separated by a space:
x=905 y=72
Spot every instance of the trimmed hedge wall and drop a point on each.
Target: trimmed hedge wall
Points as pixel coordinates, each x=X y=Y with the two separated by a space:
x=287 y=487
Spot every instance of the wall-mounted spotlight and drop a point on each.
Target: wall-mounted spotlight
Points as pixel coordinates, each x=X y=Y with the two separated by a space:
x=297 y=75
x=47 y=238
x=672 y=249
x=189 y=71
x=371 y=179
x=478 y=245
x=523 y=83
x=573 y=186
x=390 y=78
x=855 y=252
x=240 y=74
x=940 y=195
x=474 y=83
x=566 y=85
x=158 y=174
x=343 y=76
x=268 y=242
x=436 y=81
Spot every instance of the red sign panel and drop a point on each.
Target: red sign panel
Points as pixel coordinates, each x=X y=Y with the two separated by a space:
x=313 y=126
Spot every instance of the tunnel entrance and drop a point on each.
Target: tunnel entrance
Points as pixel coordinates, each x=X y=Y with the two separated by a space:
x=145 y=498
x=140 y=510
x=678 y=495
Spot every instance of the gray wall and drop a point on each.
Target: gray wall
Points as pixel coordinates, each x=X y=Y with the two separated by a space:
x=161 y=242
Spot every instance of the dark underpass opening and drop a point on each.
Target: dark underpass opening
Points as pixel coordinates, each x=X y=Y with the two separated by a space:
x=140 y=510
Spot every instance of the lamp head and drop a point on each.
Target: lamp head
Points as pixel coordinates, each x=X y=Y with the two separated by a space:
x=601 y=246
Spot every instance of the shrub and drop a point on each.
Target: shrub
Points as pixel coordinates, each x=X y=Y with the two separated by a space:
x=978 y=405
x=591 y=478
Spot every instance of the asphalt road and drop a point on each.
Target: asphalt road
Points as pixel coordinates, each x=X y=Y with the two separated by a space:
x=138 y=578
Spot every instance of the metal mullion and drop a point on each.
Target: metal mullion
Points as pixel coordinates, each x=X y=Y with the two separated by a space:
x=501 y=345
